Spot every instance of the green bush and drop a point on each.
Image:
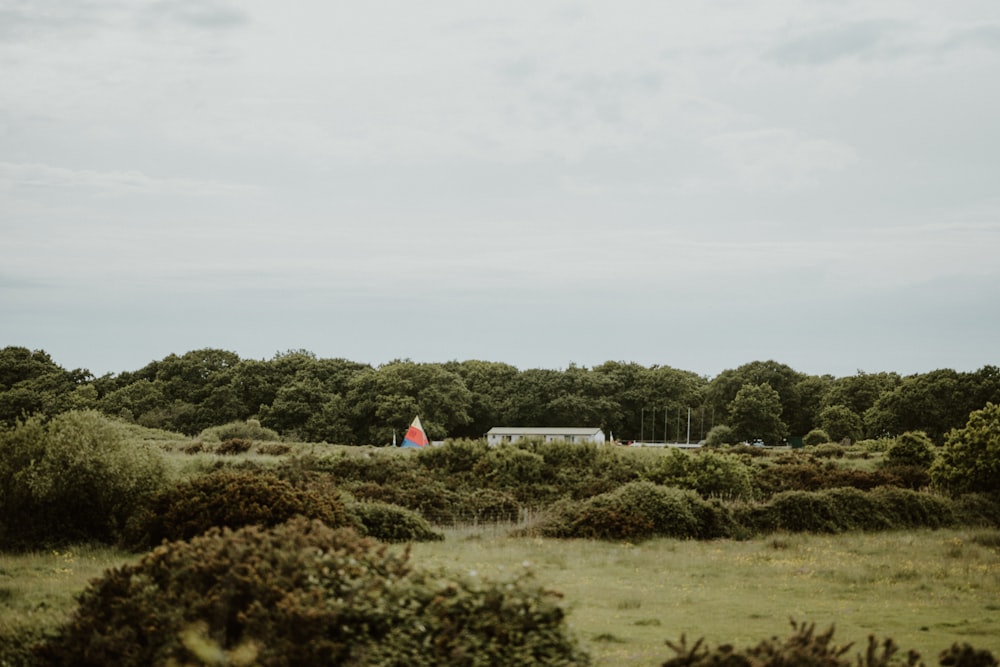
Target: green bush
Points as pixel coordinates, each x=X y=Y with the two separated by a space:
x=636 y=511
x=817 y=436
x=230 y=499
x=720 y=435
x=807 y=648
x=707 y=472
x=970 y=459
x=913 y=448
x=510 y=467
x=243 y=430
x=392 y=523
x=303 y=594
x=234 y=446
x=75 y=478
x=454 y=457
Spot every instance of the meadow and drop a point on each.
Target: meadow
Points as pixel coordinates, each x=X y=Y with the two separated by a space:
x=925 y=589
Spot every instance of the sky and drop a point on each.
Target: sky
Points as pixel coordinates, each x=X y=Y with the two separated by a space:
x=694 y=183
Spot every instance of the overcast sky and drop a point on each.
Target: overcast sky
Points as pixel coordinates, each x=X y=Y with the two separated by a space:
x=697 y=183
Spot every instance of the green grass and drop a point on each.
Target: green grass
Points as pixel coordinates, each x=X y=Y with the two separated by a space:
x=925 y=589
x=38 y=589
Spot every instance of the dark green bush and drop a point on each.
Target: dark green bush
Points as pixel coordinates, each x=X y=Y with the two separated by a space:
x=807 y=648
x=455 y=456
x=720 y=435
x=303 y=594
x=229 y=499
x=636 y=511
x=906 y=508
x=248 y=430
x=273 y=448
x=707 y=472
x=234 y=446
x=794 y=512
x=75 y=478
x=817 y=436
x=913 y=448
x=392 y=523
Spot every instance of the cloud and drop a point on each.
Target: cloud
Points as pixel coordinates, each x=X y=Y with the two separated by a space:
x=779 y=159
x=207 y=14
x=820 y=46
x=106 y=183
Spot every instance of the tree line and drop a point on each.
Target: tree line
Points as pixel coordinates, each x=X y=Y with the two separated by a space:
x=336 y=400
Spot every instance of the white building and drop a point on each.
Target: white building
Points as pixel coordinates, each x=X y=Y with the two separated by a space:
x=501 y=434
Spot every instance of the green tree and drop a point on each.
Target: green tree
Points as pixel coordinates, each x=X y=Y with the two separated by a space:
x=969 y=462
x=783 y=379
x=840 y=422
x=387 y=398
x=756 y=413
x=491 y=385
x=32 y=383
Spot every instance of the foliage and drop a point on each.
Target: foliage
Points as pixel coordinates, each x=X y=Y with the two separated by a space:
x=720 y=435
x=803 y=648
x=817 y=436
x=970 y=459
x=249 y=429
x=841 y=423
x=76 y=478
x=305 y=594
x=228 y=499
x=233 y=446
x=709 y=473
x=636 y=511
x=392 y=523
x=755 y=413
x=912 y=448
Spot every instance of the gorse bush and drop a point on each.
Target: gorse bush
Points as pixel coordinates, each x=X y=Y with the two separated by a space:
x=637 y=511
x=807 y=648
x=969 y=462
x=243 y=430
x=913 y=448
x=303 y=594
x=709 y=473
x=234 y=446
x=75 y=478
x=392 y=523
x=817 y=436
x=229 y=499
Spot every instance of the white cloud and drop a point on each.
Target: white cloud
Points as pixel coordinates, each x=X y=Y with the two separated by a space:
x=780 y=159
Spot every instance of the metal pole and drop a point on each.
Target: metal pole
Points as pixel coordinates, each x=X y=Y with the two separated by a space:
x=652 y=438
x=689 y=426
x=642 y=426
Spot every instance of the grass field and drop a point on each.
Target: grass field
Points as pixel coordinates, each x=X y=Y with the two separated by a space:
x=925 y=589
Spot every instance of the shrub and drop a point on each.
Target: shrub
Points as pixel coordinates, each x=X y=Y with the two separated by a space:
x=707 y=472
x=229 y=499
x=392 y=523
x=273 y=449
x=720 y=435
x=455 y=456
x=913 y=448
x=510 y=467
x=817 y=436
x=234 y=446
x=75 y=478
x=305 y=594
x=248 y=430
x=970 y=459
x=807 y=648
x=636 y=511
x=794 y=512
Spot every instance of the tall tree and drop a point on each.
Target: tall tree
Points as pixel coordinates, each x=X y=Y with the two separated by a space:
x=755 y=412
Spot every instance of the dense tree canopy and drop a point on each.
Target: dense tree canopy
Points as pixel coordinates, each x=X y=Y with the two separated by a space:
x=338 y=400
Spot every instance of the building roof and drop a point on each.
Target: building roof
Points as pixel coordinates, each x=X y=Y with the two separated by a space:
x=542 y=430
